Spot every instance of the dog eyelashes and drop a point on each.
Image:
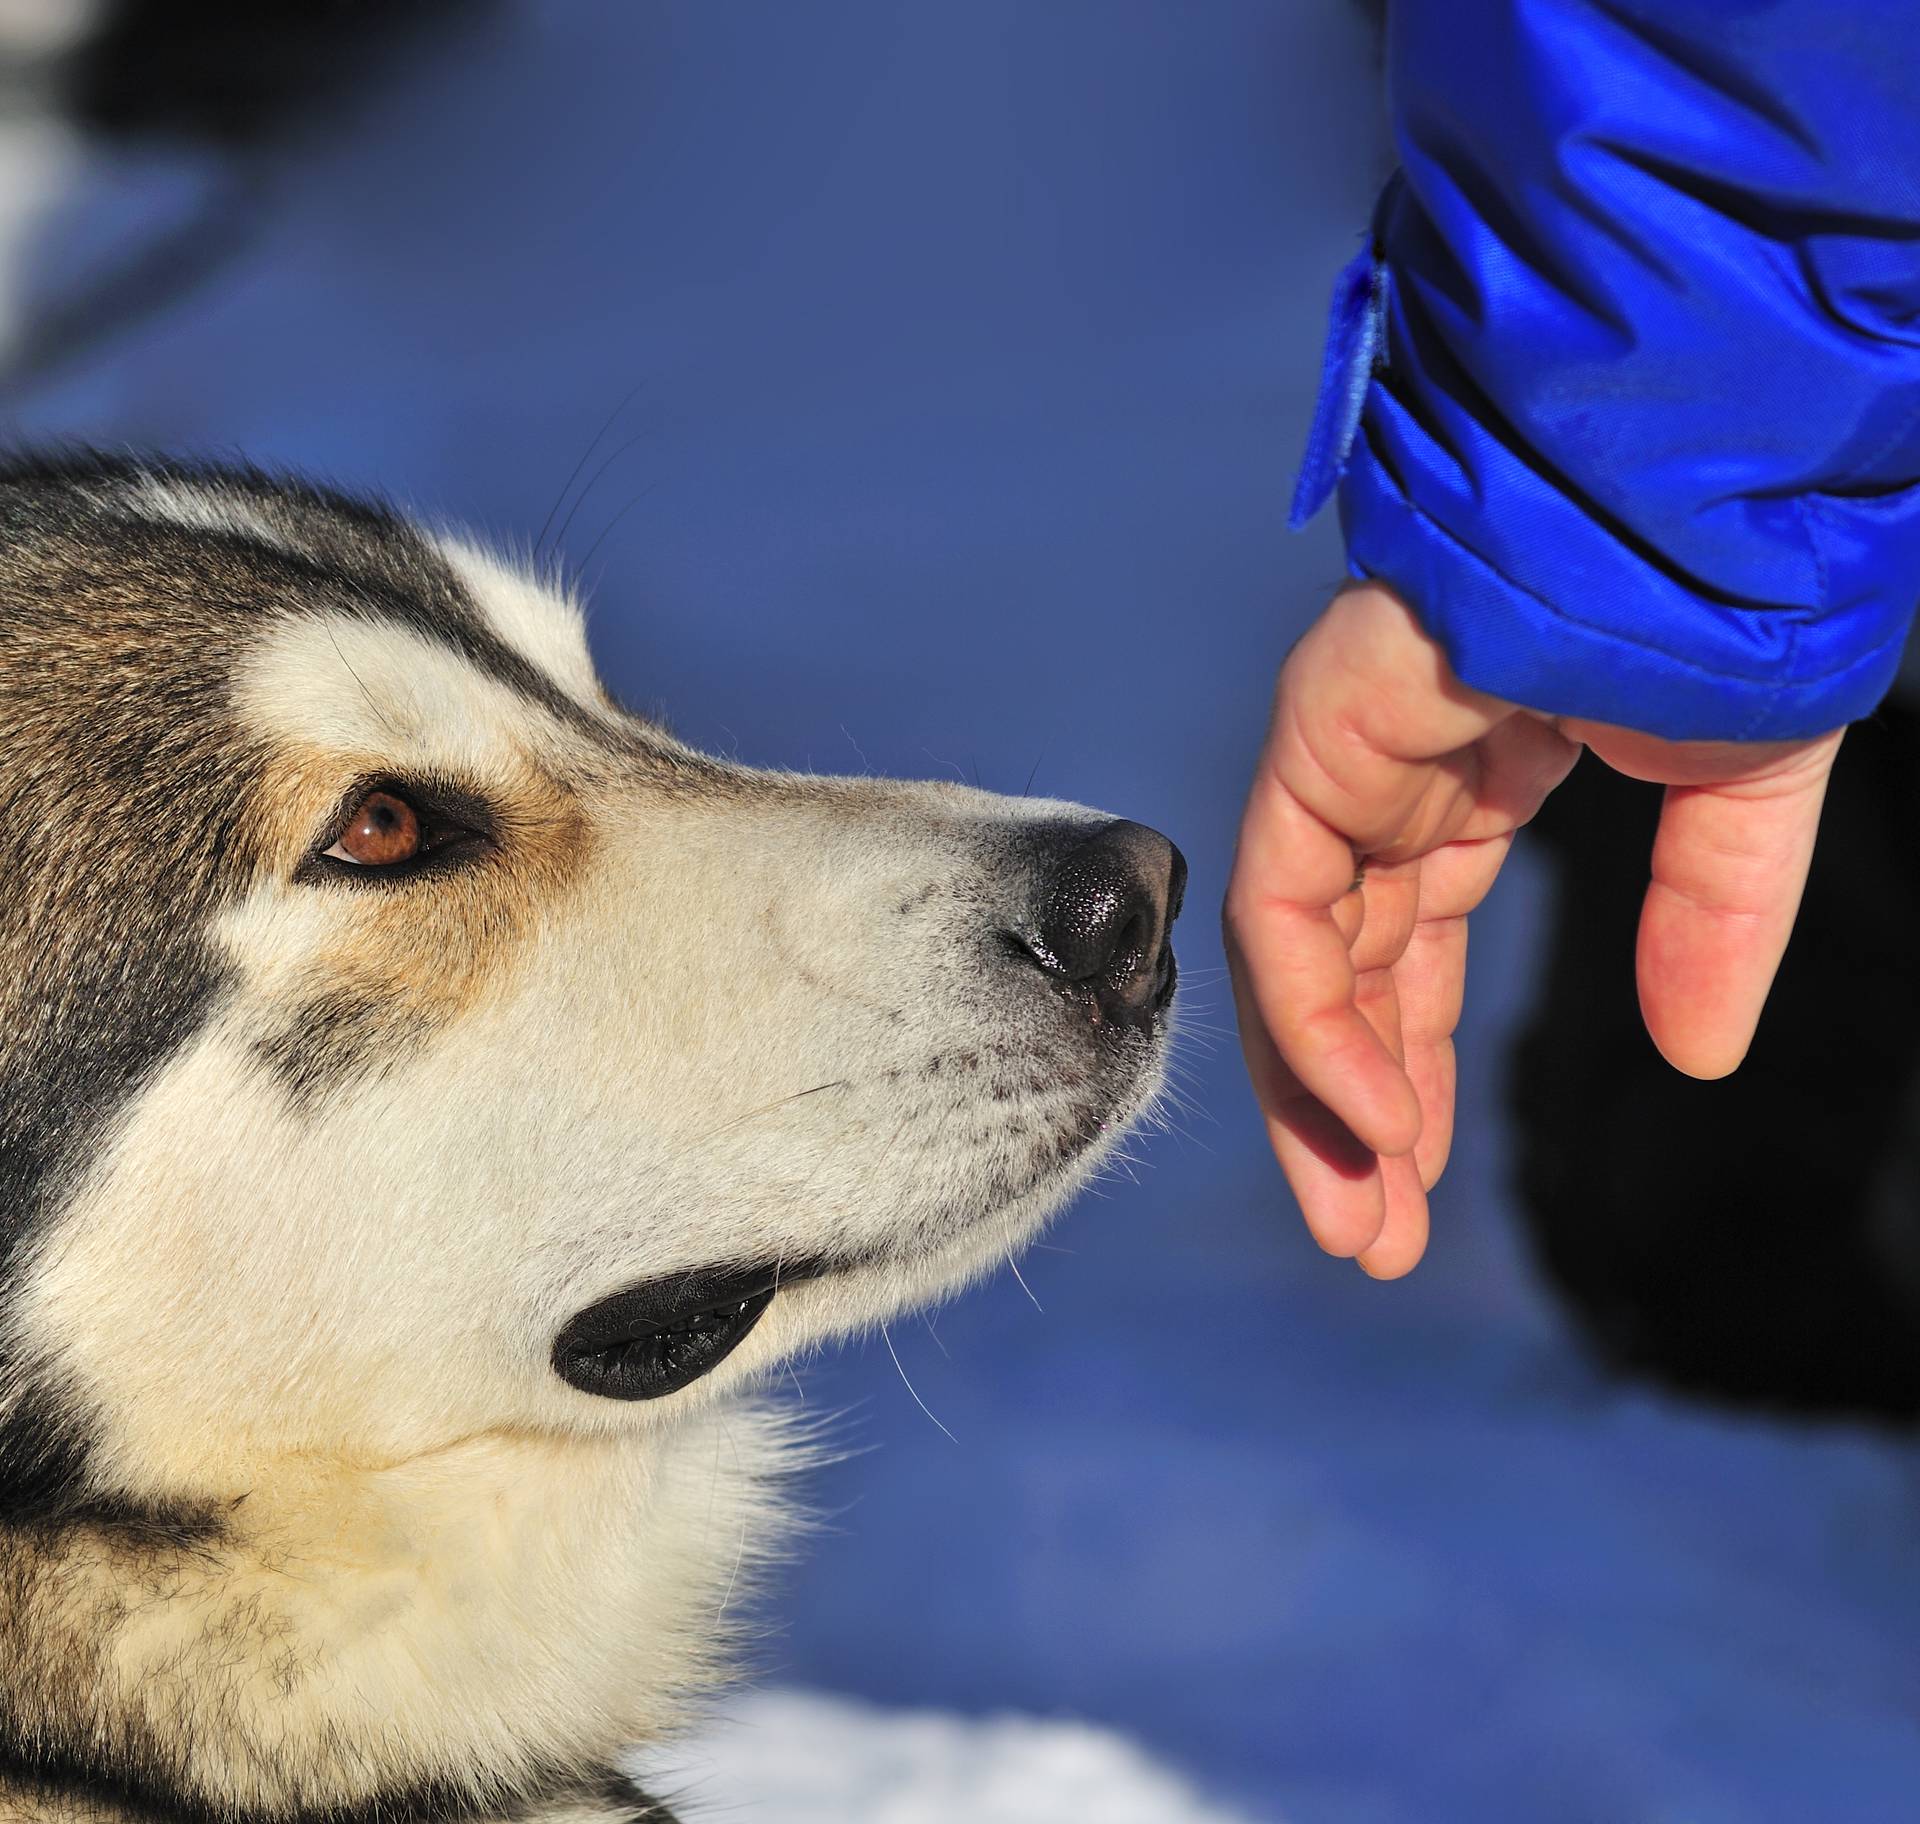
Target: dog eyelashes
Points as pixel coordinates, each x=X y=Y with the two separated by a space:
x=389 y=831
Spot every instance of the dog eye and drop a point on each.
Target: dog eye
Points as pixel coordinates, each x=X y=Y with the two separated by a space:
x=392 y=831
x=383 y=831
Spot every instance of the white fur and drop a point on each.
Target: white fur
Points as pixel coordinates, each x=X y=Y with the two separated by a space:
x=531 y=614
x=196 y=508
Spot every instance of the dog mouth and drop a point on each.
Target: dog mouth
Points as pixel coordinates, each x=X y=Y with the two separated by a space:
x=661 y=1336
x=658 y=1337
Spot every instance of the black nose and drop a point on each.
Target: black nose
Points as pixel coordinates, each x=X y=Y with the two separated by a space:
x=1105 y=907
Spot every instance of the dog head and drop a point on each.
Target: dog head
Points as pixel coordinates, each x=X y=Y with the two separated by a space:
x=400 y=1041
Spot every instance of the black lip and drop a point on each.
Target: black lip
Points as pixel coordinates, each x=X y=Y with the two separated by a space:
x=656 y=1338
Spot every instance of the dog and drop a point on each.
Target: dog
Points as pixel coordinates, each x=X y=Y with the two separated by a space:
x=432 y=1099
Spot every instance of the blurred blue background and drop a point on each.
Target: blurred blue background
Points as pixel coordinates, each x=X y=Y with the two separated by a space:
x=969 y=349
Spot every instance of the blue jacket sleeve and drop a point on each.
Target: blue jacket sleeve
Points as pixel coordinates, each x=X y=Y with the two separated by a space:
x=1626 y=401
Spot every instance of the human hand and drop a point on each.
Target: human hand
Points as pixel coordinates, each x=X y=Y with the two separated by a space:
x=1385 y=799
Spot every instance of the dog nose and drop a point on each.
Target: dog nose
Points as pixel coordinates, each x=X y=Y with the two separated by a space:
x=1105 y=907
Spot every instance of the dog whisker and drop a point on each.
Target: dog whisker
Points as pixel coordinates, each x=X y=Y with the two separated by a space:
x=766 y=1108
x=740 y=1551
x=587 y=556
x=951 y=766
x=1034 y=771
x=585 y=457
x=1024 y=1287
x=887 y=1336
x=593 y=481
x=380 y=715
x=866 y=765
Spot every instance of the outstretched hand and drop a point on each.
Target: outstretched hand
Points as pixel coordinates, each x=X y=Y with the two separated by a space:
x=1385 y=799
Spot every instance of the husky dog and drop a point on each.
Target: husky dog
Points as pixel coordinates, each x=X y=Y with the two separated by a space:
x=431 y=1098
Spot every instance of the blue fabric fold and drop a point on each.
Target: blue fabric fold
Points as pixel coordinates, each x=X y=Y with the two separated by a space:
x=1639 y=437
x=1356 y=322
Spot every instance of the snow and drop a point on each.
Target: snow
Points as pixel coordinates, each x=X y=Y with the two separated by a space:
x=974 y=348
x=803 y=1757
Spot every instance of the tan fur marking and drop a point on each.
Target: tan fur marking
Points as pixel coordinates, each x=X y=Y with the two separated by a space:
x=399 y=963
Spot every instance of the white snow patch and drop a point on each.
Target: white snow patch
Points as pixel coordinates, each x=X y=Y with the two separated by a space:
x=801 y=1757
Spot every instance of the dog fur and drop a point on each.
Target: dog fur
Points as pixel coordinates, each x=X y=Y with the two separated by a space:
x=301 y=1174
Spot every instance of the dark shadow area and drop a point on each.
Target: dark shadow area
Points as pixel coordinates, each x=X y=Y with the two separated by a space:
x=238 y=74
x=1756 y=1239
x=229 y=83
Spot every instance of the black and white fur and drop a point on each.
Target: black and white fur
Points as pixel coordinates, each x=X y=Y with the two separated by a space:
x=303 y=1174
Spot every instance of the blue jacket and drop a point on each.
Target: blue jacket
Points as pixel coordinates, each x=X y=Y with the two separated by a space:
x=1625 y=397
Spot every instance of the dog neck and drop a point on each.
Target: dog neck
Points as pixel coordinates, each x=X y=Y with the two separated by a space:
x=474 y=1635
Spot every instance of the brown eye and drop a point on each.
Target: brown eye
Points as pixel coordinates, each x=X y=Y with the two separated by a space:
x=399 y=830
x=383 y=830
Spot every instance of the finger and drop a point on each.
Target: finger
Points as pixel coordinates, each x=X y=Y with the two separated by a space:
x=1350 y=914
x=1374 y=995
x=1432 y=978
x=1402 y=1235
x=1486 y=790
x=1368 y=639
x=1337 y=1182
x=1403 y=1229
x=1296 y=979
x=1729 y=865
x=1456 y=878
x=1335 y=1179
x=1435 y=1072
x=1389 y=899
